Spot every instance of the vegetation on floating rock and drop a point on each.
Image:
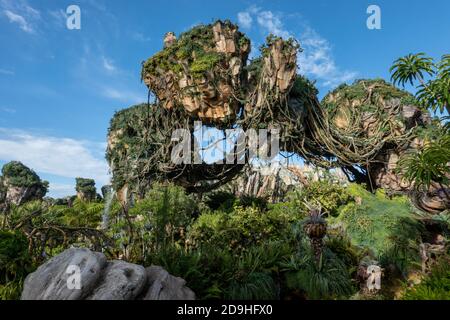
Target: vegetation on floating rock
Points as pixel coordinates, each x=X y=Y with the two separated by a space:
x=18 y=175
x=195 y=49
x=86 y=188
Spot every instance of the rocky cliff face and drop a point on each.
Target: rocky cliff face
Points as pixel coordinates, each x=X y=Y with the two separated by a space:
x=273 y=182
x=99 y=279
x=19 y=184
x=86 y=190
x=201 y=71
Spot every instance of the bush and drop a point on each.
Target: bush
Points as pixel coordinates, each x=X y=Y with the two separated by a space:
x=11 y=290
x=15 y=261
x=330 y=196
x=157 y=221
x=241 y=228
x=385 y=226
x=330 y=279
x=435 y=286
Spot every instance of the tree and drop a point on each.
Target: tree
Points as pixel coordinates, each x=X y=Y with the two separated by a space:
x=433 y=93
x=430 y=164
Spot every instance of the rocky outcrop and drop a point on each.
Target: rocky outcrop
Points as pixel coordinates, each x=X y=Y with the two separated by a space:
x=20 y=184
x=273 y=182
x=201 y=71
x=86 y=190
x=99 y=279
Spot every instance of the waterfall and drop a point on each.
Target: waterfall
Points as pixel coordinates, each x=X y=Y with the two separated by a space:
x=108 y=202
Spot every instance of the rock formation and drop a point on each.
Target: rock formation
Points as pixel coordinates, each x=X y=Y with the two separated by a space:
x=19 y=184
x=100 y=279
x=273 y=182
x=86 y=190
x=203 y=74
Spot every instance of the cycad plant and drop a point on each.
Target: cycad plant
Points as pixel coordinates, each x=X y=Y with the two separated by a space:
x=316 y=229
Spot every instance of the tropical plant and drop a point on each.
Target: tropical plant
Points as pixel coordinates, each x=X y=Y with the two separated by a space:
x=328 y=279
x=433 y=93
x=435 y=286
x=429 y=164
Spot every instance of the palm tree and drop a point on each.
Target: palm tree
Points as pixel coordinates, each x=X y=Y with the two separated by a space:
x=434 y=93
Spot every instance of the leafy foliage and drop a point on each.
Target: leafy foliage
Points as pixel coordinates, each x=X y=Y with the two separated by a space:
x=240 y=228
x=324 y=193
x=435 y=286
x=434 y=93
x=15 y=261
x=385 y=226
x=430 y=164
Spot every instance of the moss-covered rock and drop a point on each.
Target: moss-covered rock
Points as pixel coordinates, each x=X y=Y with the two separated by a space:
x=200 y=71
x=86 y=190
x=19 y=184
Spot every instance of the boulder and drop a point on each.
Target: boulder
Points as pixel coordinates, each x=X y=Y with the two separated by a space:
x=50 y=280
x=120 y=281
x=101 y=280
x=164 y=286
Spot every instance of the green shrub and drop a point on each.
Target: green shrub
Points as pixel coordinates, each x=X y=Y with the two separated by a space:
x=15 y=261
x=325 y=193
x=241 y=228
x=11 y=291
x=329 y=279
x=435 y=286
x=387 y=227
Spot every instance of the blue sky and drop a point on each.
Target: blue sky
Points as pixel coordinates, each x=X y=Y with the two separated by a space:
x=59 y=87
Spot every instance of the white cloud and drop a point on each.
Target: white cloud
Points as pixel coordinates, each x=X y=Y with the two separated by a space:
x=316 y=61
x=245 y=19
x=272 y=23
x=63 y=157
x=16 y=18
x=21 y=13
x=59 y=190
x=7 y=72
x=59 y=16
x=268 y=21
x=108 y=64
x=125 y=96
x=138 y=36
x=8 y=110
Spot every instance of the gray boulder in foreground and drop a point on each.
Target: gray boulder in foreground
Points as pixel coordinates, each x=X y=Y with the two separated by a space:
x=101 y=280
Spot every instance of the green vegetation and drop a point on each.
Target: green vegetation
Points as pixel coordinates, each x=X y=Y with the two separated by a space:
x=194 y=50
x=433 y=93
x=428 y=164
x=435 y=286
x=18 y=175
x=387 y=227
x=15 y=264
